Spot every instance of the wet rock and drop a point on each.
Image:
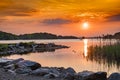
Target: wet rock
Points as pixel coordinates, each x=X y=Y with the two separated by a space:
x=16 y=61
x=30 y=64
x=88 y=75
x=11 y=67
x=12 y=72
x=67 y=72
x=70 y=70
x=100 y=76
x=50 y=75
x=55 y=71
x=40 y=72
x=114 y=76
x=69 y=76
x=3 y=61
x=83 y=75
x=23 y=70
x=61 y=69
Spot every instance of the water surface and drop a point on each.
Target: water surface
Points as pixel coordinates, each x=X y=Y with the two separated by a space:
x=74 y=57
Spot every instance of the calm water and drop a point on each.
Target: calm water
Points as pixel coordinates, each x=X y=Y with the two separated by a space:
x=74 y=57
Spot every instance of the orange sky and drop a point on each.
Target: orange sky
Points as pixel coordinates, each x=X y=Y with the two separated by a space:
x=64 y=17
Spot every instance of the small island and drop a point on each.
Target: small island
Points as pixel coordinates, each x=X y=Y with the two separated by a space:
x=24 y=48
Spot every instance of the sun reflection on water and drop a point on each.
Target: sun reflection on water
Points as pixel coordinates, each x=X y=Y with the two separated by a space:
x=85 y=47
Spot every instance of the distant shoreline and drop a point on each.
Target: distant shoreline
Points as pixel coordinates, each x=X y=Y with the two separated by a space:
x=38 y=36
x=10 y=36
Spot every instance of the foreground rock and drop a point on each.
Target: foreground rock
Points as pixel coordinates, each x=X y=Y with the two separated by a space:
x=29 y=64
x=114 y=76
x=4 y=61
x=30 y=68
x=88 y=75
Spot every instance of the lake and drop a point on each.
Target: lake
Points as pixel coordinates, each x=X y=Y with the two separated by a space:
x=75 y=56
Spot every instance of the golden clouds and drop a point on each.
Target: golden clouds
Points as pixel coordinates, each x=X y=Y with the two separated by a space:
x=91 y=10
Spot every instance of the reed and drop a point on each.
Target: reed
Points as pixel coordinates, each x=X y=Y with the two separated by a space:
x=108 y=53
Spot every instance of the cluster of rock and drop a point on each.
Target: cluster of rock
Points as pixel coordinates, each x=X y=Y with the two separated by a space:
x=23 y=48
x=21 y=66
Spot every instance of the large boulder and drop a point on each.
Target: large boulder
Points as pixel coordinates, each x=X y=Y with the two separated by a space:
x=88 y=75
x=27 y=63
x=114 y=76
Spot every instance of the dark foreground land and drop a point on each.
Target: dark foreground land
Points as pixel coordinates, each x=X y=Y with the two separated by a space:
x=9 y=76
x=21 y=69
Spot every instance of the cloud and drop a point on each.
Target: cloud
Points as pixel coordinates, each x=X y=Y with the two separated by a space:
x=114 y=18
x=15 y=8
x=17 y=11
x=56 y=21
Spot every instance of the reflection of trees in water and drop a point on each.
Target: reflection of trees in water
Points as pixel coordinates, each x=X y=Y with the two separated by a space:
x=105 y=54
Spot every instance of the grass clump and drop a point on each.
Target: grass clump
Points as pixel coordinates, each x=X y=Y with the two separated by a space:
x=109 y=53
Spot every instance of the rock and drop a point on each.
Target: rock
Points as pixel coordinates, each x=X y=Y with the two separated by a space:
x=3 y=61
x=12 y=72
x=16 y=61
x=40 y=72
x=100 y=76
x=69 y=76
x=11 y=67
x=23 y=70
x=114 y=76
x=54 y=71
x=60 y=69
x=50 y=75
x=49 y=72
x=88 y=75
x=30 y=64
x=70 y=70
x=66 y=72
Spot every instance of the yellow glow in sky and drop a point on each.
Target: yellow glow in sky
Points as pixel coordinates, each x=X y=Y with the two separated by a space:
x=85 y=25
x=47 y=15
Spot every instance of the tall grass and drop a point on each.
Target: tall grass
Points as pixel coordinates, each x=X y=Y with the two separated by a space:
x=108 y=53
x=3 y=47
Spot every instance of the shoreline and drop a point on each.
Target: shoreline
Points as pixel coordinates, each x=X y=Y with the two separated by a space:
x=25 y=48
x=30 y=70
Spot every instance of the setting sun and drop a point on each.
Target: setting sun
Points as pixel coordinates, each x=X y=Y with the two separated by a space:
x=85 y=25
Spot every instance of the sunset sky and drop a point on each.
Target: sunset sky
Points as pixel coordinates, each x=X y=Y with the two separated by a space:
x=62 y=17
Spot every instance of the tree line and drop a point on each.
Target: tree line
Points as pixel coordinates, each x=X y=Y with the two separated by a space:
x=10 y=36
x=114 y=36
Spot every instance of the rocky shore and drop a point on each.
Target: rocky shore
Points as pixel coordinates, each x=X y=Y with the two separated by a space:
x=21 y=69
x=23 y=48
